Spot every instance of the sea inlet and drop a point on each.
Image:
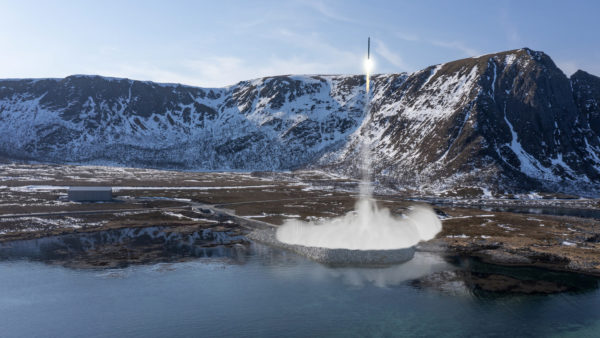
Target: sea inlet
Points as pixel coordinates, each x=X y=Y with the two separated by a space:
x=164 y=285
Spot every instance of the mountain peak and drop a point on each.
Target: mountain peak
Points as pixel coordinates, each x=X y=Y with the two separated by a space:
x=522 y=57
x=583 y=74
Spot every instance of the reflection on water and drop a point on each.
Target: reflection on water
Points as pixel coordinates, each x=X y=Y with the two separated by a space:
x=122 y=247
x=273 y=293
x=166 y=282
x=427 y=271
x=421 y=265
x=484 y=280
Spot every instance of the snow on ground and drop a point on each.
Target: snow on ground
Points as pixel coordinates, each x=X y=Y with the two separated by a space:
x=180 y=216
x=506 y=227
x=39 y=223
x=38 y=188
x=457 y=236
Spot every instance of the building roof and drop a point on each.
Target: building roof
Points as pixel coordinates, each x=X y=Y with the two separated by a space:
x=80 y=188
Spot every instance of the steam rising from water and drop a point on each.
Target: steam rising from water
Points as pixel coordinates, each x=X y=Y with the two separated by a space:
x=367 y=227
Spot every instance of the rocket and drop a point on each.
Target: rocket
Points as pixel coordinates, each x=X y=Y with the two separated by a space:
x=368 y=64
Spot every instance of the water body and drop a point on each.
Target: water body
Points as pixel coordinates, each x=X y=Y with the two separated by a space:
x=270 y=293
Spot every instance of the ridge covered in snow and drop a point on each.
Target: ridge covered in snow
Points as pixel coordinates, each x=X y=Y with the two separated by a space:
x=508 y=121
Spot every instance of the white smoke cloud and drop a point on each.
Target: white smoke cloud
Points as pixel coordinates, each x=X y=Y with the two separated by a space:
x=365 y=228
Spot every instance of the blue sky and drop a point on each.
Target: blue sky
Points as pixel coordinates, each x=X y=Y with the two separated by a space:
x=218 y=43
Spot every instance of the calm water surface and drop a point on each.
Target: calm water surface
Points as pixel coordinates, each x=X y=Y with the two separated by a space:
x=268 y=293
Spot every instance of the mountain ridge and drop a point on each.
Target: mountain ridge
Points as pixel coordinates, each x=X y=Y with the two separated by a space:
x=505 y=121
x=175 y=84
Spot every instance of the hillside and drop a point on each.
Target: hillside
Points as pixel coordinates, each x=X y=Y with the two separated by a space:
x=504 y=122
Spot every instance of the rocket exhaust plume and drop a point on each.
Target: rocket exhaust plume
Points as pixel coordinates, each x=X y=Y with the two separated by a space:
x=368 y=227
x=368 y=63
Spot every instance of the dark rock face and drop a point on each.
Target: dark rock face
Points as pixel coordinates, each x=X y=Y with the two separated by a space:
x=510 y=120
x=266 y=124
x=507 y=122
x=485 y=284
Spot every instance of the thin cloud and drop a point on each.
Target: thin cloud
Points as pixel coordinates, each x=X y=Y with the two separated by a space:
x=220 y=71
x=382 y=50
x=146 y=72
x=224 y=70
x=328 y=12
x=312 y=43
x=510 y=29
x=407 y=36
x=317 y=56
x=456 y=45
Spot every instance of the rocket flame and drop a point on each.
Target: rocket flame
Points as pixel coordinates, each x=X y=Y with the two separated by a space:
x=368 y=68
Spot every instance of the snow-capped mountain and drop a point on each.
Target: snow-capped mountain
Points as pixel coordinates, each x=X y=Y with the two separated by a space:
x=508 y=121
x=266 y=124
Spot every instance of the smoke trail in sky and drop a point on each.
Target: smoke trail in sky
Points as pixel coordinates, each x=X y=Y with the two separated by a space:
x=367 y=227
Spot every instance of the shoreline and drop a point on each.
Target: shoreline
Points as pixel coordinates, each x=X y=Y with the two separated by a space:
x=490 y=254
x=505 y=231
